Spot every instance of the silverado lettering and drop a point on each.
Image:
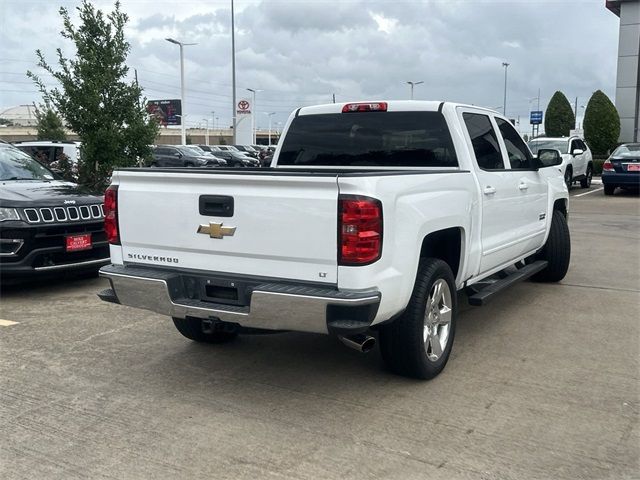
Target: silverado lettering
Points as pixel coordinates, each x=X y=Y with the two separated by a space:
x=151 y=258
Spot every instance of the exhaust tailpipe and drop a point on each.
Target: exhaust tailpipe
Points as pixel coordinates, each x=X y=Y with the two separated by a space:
x=360 y=342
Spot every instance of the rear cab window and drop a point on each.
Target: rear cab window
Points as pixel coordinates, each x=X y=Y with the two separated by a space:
x=484 y=141
x=369 y=139
x=519 y=155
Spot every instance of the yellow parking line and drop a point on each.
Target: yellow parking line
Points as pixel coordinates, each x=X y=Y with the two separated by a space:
x=6 y=323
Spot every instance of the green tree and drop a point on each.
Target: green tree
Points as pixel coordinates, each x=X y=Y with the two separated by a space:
x=50 y=126
x=106 y=111
x=559 y=119
x=601 y=124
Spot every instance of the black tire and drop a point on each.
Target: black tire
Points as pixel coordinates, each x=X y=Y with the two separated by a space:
x=557 y=251
x=568 y=177
x=189 y=165
x=586 y=181
x=192 y=329
x=401 y=342
x=609 y=189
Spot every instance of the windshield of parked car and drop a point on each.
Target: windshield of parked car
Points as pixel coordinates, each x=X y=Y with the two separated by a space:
x=17 y=165
x=562 y=145
x=627 y=151
x=377 y=139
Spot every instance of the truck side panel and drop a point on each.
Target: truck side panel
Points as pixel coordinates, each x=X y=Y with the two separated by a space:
x=413 y=207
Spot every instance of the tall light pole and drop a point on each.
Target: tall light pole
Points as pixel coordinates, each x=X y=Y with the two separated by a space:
x=504 y=104
x=206 y=134
x=413 y=84
x=182 y=119
x=213 y=120
x=233 y=72
x=270 y=114
x=254 y=111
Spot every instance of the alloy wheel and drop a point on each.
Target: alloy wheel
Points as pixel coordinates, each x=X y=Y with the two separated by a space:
x=437 y=319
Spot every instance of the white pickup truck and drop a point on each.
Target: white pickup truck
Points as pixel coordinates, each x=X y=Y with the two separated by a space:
x=371 y=218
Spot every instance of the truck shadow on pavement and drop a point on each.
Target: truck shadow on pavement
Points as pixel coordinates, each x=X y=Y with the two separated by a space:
x=290 y=360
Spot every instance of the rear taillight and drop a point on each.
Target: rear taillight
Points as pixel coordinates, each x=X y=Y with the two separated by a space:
x=111 y=215
x=365 y=107
x=359 y=230
x=607 y=166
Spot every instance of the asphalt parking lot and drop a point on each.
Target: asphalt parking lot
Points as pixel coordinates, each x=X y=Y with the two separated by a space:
x=542 y=383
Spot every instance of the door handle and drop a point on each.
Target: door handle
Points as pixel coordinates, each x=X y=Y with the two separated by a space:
x=523 y=186
x=489 y=190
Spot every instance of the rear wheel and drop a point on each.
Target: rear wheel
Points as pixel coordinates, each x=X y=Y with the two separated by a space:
x=568 y=177
x=609 y=189
x=557 y=251
x=197 y=330
x=418 y=343
x=586 y=181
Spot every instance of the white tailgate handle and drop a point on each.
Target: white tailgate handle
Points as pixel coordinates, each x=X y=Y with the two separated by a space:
x=523 y=186
x=489 y=190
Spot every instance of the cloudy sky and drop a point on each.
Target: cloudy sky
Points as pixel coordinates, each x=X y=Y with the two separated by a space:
x=300 y=52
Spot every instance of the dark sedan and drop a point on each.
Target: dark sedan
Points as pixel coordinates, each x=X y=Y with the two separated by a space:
x=622 y=168
x=248 y=150
x=233 y=159
x=183 y=156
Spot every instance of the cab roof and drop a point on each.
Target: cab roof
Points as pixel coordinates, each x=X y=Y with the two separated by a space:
x=392 y=106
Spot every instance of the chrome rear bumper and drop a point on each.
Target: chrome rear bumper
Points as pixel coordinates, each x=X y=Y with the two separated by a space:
x=273 y=306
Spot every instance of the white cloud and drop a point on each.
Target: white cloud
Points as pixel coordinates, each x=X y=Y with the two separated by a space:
x=386 y=25
x=512 y=44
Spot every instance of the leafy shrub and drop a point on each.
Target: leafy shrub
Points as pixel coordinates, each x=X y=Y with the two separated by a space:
x=601 y=124
x=559 y=119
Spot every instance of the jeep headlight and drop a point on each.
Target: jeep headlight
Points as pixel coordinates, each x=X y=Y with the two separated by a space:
x=8 y=214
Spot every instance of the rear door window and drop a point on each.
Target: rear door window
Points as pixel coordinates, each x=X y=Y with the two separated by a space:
x=484 y=141
x=369 y=139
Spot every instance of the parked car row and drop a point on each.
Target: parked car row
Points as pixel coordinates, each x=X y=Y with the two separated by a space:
x=621 y=169
x=237 y=156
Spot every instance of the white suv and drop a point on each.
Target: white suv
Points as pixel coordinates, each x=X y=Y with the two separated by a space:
x=577 y=161
x=47 y=151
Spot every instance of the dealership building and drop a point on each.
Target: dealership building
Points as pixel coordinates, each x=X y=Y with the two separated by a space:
x=628 y=73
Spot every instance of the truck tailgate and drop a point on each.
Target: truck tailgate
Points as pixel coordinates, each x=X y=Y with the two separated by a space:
x=285 y=226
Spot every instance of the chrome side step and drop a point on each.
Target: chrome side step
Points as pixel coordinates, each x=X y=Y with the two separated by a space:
x=483 y=295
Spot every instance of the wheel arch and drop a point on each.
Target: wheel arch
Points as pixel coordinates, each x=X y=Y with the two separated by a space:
x=446 y=244
x=561 y=206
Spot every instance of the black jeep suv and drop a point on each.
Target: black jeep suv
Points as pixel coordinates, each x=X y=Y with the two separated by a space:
x=46 y=224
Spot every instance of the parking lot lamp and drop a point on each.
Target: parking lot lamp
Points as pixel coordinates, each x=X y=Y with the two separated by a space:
x=206 y=134
x=504 y=104
x=181 y=45
x=270 y=114
x=413 y=84
x=254 y=112
x=233 y=73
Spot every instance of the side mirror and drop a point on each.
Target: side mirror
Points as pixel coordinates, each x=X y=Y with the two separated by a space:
x=548 y=158
x=577 y=151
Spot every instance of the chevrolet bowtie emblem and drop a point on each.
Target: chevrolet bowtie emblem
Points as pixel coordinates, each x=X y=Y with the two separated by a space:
x=216 y=230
